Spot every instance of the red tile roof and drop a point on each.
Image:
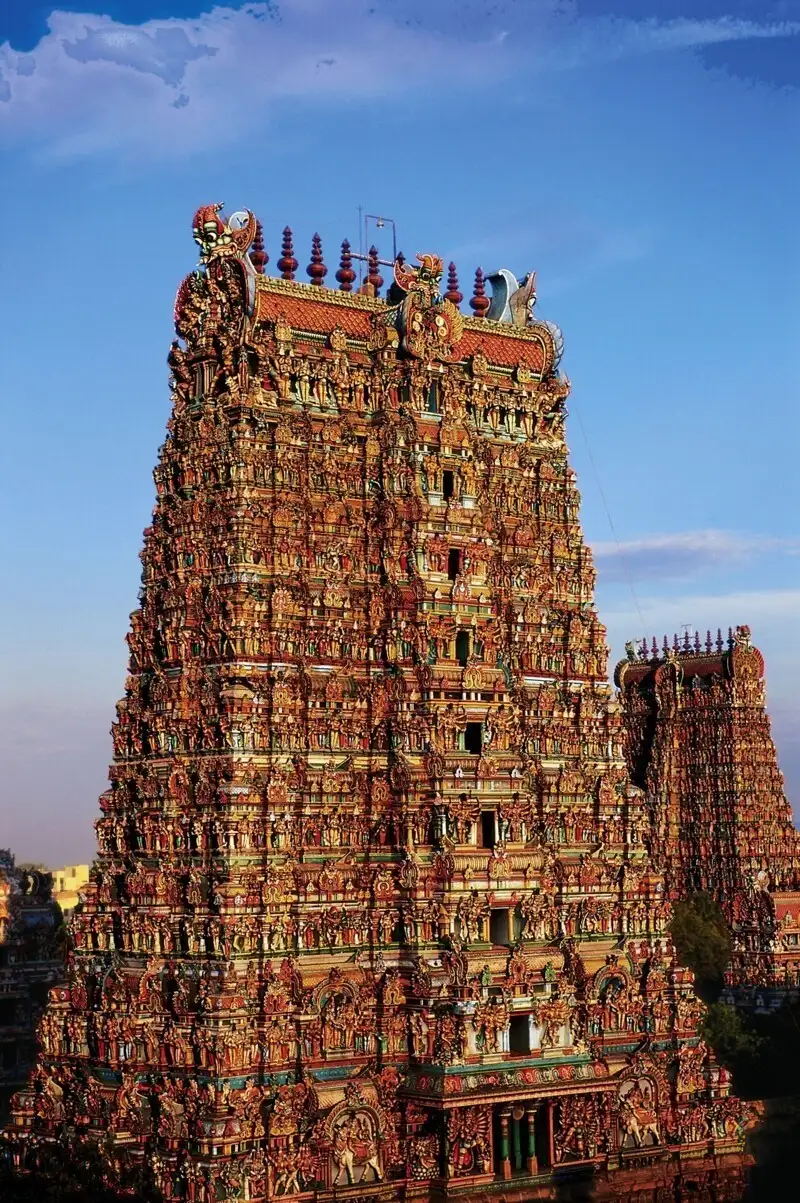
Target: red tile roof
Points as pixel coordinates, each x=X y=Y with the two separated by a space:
x=319 y=311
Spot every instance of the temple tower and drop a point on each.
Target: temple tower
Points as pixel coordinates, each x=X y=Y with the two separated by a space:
x=698 y=743
x=373 y=907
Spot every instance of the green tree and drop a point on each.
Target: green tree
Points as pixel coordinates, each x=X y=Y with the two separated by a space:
x=702 y=941
x=737 y=1045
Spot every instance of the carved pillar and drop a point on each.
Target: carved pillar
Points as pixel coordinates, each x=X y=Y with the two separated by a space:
x=505 y=1144
x=517 y=1116
x=530 y=1115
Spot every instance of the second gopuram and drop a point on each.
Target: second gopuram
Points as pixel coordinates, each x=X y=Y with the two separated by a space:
x=372 y=910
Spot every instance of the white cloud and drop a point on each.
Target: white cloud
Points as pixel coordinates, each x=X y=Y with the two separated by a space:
x=176 y=86
x=683 y=554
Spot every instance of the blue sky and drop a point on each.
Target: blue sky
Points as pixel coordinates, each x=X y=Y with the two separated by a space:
x=642 y=157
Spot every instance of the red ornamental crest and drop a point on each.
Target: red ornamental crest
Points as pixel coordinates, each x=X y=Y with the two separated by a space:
x=430 y=329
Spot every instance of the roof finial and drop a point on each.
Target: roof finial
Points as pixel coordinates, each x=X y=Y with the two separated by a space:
x=316 y=269
x=480 y=302
x=258 y=256
x=374 y=276
x=345 y=274
x=719 y=639
x=453 y=295
x=697 y=647
x=287 y=262
x=709 y=643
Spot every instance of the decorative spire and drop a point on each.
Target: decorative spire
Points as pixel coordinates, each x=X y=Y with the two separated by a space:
x=654 y=649
x=452 y=293
x=316 y=268
x=287 y=262
x=374 y=276
x=345 y=274
x=697 y=646
x=258 y=256
x=719 y=639
x=709 y=642
x=480 y=302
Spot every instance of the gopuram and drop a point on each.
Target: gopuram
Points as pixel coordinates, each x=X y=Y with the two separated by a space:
x=698 y=743
x=373 y=913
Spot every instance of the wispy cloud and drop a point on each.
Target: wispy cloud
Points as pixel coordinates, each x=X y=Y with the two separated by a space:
x=683 y=554
x=95 y=84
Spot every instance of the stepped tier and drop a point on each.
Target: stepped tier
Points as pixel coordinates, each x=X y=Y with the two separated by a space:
x=698 y=743
x=373 y=906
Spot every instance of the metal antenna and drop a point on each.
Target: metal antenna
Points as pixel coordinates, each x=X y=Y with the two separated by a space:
x=360 y=247
x=364 y=240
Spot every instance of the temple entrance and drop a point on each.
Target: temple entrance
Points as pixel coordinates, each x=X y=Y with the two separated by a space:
x=521 y=1139
x=541 y=1135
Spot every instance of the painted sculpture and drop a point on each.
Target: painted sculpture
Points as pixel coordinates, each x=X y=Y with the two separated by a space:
x=373 y=908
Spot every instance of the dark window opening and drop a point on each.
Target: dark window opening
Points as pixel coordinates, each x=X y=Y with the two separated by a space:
x=447 y=485
x=498 y=926
x=473 y=738
x=453 y=563
x=518 y=417
x=462 y=648
x=487 y=829
x=432 y=398
x=519 y=1034
x=541 y=1131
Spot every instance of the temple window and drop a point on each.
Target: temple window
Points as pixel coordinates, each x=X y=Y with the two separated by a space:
x=432 y=398
x=499 y=930
x=473 y=738
x=462 y=648
x=488 y=829
x=453 y=563
x=519 y=1034
x=448 y=484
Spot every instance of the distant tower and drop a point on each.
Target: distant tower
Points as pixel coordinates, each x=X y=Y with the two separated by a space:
x=698 y=741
